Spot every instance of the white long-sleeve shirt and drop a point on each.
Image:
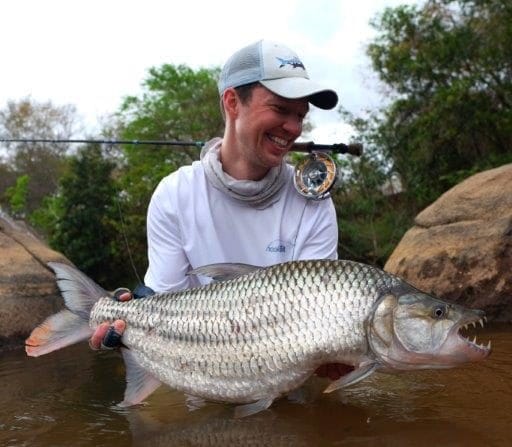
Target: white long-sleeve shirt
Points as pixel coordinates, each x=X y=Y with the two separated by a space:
x=191 y=223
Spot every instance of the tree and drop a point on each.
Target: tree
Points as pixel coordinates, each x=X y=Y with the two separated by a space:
x=43 y=162
x=176 y=104
x=448 y=69
x=81 y=217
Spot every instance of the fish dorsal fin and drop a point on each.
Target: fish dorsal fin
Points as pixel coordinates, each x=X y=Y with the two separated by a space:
x=79 y=291
x=139 y=383
x=353 y=377
x=224 y=271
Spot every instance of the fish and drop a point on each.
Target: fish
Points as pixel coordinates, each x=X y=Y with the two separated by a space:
x=256 y=334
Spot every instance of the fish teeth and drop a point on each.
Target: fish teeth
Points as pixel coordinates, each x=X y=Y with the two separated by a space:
x=481 y=322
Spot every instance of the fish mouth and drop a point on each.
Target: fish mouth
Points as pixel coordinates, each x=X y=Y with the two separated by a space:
x=466 y=333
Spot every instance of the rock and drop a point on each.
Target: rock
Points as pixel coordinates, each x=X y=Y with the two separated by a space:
x=28 y=292
x=460 y=248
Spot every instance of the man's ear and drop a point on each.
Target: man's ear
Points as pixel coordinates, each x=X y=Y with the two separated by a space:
x=231 y=102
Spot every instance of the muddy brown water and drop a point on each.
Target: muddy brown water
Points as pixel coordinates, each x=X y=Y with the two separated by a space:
x=68 y=398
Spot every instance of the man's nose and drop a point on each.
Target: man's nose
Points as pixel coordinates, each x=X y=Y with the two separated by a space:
x=293 y=125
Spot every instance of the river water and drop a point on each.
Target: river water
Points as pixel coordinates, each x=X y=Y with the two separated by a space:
x=68 y=398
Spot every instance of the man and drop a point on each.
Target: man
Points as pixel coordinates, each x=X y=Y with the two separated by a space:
x=238 y=203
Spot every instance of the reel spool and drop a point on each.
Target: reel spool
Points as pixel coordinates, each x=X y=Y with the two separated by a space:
x=315 y=176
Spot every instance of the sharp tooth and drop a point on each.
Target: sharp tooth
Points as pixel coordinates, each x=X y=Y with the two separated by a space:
x=489 y=345
x=474 y=340
x=465 y=326
x=473 y=324
x=481 y=322
x=485 y=319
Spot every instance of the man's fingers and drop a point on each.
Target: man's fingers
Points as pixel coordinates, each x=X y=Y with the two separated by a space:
x=97 y=339
x=126 y=296
x=120 y=325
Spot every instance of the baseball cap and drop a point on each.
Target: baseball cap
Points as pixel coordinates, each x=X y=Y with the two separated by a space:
x=279 y=69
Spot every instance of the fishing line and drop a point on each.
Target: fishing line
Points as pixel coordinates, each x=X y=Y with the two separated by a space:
x=125 y=237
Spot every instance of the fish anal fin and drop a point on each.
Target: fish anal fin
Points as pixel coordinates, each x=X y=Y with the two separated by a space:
x=245 y=410
x=194 y=402
x=139 y=382
x=353 y=377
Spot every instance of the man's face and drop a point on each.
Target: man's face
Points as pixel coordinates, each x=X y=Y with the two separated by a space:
x=267 y=125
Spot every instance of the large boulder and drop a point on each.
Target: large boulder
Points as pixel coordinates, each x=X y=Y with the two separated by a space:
x=28 y=292
x=460 y=248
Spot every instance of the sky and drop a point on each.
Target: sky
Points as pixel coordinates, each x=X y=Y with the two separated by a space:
x=93 y=53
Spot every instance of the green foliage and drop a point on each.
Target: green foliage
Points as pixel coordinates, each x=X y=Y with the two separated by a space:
x=17 y=196
x=80 y=218
x=448 y=66
x=447 y=71
x=371 y=216
x=46 y=217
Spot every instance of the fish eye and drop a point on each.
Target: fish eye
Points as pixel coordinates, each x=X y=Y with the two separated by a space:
x=439 y=311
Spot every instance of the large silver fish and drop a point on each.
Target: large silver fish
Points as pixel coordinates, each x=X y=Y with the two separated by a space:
x=257 y=334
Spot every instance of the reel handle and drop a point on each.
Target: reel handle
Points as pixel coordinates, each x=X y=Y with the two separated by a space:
x=355 y=149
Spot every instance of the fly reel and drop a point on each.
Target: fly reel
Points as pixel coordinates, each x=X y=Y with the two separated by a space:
x=315 y=176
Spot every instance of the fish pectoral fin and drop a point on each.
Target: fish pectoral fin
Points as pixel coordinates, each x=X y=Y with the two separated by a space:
x=139 y=383
x=242 y=411
x=224 y=271
x=353 y=377
x=194 y=402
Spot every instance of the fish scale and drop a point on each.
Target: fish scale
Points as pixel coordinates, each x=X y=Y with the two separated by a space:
x=229 y=341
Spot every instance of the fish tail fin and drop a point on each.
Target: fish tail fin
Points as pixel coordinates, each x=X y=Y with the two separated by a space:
x=72 y=324
x=60 y=330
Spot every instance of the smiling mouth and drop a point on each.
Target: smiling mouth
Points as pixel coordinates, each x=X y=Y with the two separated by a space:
x=280 y=142
x=467 y=331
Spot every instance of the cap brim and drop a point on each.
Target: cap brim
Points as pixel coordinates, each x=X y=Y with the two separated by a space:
x=295 y=88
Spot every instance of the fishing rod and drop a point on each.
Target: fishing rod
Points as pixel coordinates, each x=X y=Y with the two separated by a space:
x=314 y=178
x=309 y=146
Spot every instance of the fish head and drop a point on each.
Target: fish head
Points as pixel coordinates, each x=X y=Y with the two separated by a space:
x=410 y=329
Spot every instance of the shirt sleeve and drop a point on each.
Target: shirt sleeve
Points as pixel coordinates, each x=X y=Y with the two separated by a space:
x=168 y=263
x=321 y=241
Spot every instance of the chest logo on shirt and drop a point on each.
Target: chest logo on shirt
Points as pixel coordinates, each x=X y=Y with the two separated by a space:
x=279 y=246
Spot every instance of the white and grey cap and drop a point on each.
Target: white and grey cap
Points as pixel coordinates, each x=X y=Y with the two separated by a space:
x=279 y=69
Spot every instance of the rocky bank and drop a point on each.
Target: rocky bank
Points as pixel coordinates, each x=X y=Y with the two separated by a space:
x=460 y=247
x=28 y=293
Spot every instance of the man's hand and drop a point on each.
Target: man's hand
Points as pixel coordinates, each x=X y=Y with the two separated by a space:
x=333 y=370
x=100 y=339
x=108 y=336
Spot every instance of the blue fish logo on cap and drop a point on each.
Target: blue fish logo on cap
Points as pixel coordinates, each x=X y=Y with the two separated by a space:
x=294 y=62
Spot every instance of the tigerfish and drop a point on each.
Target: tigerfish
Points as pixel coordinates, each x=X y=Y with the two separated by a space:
x=257 y=334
